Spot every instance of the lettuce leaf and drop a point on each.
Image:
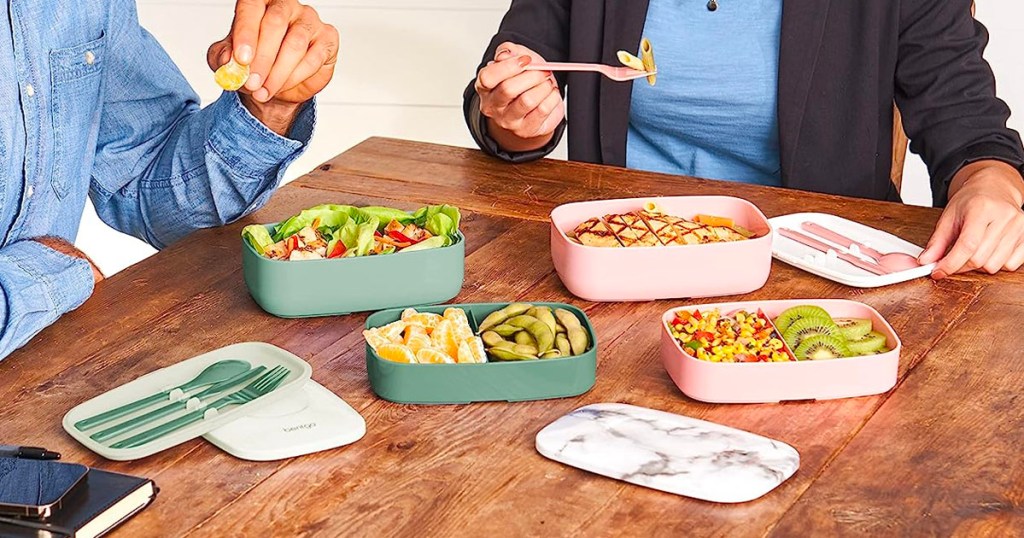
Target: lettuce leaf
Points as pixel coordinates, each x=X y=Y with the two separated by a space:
x=330 y=215
x=258 y=237
x=439 y=220
x=358 y=238
x=437 y=241
x=386 y=214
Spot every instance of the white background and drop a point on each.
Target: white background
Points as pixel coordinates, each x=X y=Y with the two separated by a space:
x=403 y=66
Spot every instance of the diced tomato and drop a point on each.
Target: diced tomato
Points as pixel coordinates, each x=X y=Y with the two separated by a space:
x=377 y=234
x=696 y=314
x=704 y=335
x=339 y=250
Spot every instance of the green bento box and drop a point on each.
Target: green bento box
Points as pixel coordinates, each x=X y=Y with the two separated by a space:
x=492 y=381
x=308 y=288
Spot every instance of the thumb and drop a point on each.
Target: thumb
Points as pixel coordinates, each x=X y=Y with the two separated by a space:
x=941 y=240
x=219 y=53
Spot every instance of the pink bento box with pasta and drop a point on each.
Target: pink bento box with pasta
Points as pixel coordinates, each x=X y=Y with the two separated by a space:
x=662 y=272
x=767 y=382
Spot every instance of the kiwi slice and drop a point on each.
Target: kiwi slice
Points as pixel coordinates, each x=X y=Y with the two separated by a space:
x=821 y=347
x=804 y=328
x=853 y=328
x=867 y=344
x=883 y=350
x=788 y=316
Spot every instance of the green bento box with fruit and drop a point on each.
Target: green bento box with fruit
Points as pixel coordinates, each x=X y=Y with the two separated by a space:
x=771 y=351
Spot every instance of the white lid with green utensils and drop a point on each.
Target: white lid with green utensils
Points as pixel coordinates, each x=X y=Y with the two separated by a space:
x=189 y=399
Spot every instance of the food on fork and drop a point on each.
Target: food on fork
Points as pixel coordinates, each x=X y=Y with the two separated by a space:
x=650 y=227
x=630 y=61
x=647 y=54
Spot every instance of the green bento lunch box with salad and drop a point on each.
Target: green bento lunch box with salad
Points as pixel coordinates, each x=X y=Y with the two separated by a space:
x=338 y=259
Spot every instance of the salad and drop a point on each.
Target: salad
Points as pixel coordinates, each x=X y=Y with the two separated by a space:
x=342 y=231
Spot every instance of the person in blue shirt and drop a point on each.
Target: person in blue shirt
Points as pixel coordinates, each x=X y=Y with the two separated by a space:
x=93 y=106
x=794 y=93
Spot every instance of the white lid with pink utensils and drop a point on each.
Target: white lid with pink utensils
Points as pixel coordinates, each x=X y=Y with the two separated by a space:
x=788 y=248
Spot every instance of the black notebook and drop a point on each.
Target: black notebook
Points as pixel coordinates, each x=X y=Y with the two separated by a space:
x=97 y=505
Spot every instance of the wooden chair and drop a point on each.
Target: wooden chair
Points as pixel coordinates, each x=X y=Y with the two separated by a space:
x=900 y=141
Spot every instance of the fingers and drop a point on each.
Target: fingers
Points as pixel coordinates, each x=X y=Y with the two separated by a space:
x=493 y=75
x=525 y=117
x=972 y=237
x=294 y=48
x=218 y=54
x=245 y=29
x=1016 y=259
x=319 y=60
x=543 y=119
x=276 y=20
x=518 y=86
x=940 y=241
x=1000 y=255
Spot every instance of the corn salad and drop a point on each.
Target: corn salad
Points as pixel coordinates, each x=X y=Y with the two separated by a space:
x=739 y=337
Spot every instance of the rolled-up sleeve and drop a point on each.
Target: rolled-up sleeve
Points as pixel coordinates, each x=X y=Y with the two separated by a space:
x=164 y=166
x=37 y=286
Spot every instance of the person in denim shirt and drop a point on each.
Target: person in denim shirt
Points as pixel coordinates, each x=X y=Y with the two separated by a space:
x=93 y=106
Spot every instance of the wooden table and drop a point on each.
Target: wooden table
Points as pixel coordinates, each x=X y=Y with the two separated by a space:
x=938 y=455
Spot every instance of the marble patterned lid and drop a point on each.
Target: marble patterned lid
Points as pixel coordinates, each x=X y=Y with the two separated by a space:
x=669 y=452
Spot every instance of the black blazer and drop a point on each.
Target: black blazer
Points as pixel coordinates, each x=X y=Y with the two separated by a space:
x=842 y=64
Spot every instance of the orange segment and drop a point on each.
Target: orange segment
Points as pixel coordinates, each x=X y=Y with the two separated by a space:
x=231 y=76
x=444 y=338
x=418 y=342
x=433 y=356
x=471 y=350
x=376 y=339
x=393 y=331
x=396 y=353
x=427 y=320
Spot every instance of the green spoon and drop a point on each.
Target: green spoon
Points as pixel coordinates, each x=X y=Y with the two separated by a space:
x=214 y=373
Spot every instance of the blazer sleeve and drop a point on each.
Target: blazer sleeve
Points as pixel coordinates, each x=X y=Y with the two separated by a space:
x=540 y=25
x=947 y=93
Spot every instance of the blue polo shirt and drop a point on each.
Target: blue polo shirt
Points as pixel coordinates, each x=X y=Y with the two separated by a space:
x=713 y=112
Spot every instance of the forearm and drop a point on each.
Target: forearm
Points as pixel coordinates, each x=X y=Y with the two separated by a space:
x=37 y=286
x=210 y=168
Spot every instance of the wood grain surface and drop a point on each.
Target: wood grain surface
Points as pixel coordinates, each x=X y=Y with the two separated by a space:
x=938 y=455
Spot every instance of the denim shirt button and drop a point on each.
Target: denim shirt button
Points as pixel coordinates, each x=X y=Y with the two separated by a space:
x=30 y=90
x=89 y=57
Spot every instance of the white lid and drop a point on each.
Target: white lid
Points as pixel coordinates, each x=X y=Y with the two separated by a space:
x=306 y=421
x=833 y=268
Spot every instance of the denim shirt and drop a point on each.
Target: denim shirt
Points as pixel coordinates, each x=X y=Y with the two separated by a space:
x=91 y=105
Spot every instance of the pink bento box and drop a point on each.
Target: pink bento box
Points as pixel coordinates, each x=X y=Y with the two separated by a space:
x=767 y=382
x=662 y=272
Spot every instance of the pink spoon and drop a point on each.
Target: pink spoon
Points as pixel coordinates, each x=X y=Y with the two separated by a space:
x=818 y=245
x=893 y=261
x=620 y=74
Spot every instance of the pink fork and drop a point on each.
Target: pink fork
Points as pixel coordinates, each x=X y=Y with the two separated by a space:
x=619 y=74
x=893 y=261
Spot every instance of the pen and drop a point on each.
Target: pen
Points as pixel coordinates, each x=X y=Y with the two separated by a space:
x=28 y=452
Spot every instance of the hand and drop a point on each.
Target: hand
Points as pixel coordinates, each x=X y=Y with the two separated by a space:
x=523 y=107
x=982 y=227
x=68 y=249
x=290 y=52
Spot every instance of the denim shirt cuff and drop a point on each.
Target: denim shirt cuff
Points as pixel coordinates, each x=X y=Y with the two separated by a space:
x=248 y=146
x=45 y=280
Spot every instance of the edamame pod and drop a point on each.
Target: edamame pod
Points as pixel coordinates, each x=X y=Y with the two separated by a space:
x=562 y=343
x=538 y=330
x=507 y=355
x=491 y=338
x=551 y=354
x=499 y=316
x=579 y=340
x=506 y=330
x=504 y=344
x=544 y=314
x=525 y=350
x=523 y=337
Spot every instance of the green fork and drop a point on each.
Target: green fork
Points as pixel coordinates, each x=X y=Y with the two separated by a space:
x=262 y=386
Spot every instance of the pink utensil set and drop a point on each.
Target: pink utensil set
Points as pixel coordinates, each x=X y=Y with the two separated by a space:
x=854 y=253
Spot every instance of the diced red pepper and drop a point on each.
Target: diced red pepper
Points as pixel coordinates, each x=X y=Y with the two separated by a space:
x=377 y=234
x=401 y=238
x=339 y=250
x=696 y=314
x=292 y=243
